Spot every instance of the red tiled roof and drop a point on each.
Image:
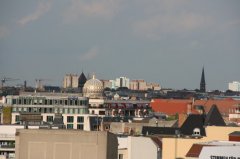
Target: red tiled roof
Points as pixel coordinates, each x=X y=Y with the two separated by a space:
x=173 y=106
x=195 y=150
x=223 y=105
x=170 y=106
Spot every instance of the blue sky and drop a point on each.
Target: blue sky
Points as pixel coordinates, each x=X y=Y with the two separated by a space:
x=164 y=41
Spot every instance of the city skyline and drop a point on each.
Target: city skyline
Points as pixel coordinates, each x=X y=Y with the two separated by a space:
x=167 y=41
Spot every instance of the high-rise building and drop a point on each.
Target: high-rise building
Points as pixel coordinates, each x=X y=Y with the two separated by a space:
x=70 y=81
x=122 y=82
x=203 y=83
x=234 y=86
x=138 y=85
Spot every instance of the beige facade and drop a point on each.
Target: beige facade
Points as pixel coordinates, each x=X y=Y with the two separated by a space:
x=138 y=85
x=70 y=81
x=178 y=147
x=65 y=144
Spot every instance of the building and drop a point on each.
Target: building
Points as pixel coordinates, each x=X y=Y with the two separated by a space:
x=7 y=140
x=107 y=84
x=214 y=149
x=98 y=105
x=65 y=144
x=234 y=86
x=138 y=85
x=45 y=106
x=203 y=83
x=130 y=147
x=122 y=82
x=70 y=81
x=172 y=146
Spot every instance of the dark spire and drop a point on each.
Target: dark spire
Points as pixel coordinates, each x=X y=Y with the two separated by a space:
x=81 y=80
x=202 y=83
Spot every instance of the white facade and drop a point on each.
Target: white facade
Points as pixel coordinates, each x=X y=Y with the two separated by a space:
x=234 y=86
x=122 y=82
x=138 y=148
x=223 y=152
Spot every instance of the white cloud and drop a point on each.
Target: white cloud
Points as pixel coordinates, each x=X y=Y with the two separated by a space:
x=90 y=54
x=3 y=31
x=42 y=8
x=157 y=25
x=91 y=8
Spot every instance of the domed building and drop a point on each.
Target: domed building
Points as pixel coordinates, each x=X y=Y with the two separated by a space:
x=93 y=88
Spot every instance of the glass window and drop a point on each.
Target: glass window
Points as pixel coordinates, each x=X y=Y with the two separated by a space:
x=14 y=101
x=24 y=101
x=80 y=119
x=50 y=102
x=49 y=119
x=60 y=110
x=76 y=111
x=66 y=102
x=61 y=102
x=14 y=109
x=75 y=102
x=80 y=126
x=65 y=110
x=71 y=111
x=70 y=119
x=69 y=126
x=17 y=118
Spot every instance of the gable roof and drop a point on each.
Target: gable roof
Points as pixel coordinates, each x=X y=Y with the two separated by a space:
x=214 y=117
x=171 y=106
x=195 y=150
x=223 y=104
x=193 y=121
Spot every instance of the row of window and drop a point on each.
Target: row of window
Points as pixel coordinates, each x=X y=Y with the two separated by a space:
x=32 y=101
x=79 y=126
x=70 y=119
x=51 y=110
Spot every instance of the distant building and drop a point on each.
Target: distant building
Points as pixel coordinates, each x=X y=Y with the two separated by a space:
x=65 y=144
x=234 y=86
x=138 y=85
x=129 y=147
x=122 y=82
x=107 y=84
x=70 y=81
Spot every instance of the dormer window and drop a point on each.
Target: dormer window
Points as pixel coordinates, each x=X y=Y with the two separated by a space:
x=196 y=132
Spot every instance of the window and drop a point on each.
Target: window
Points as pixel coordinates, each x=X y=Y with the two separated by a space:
x=120 y=156
x=61 y=102
x=50 y=102
x=69 y=126
x=70 y=119
x=80 y=126
x=75 y=102
x=66 y=102
x=80 y=119
x=14 y=109
x=49 y=119
x=101 y=112
x=14 y=101
x=17 y=118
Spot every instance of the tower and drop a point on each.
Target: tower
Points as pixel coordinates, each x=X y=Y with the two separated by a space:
x=202 y=83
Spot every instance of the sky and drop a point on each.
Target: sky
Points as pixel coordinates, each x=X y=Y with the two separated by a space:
x=163 y=41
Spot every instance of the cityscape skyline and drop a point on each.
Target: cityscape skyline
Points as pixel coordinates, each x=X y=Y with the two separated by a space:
x=167 y=42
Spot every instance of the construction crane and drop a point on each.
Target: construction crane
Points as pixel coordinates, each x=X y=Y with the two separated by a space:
x=5 y=79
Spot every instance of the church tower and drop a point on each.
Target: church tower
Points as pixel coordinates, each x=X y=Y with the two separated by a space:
x=202 y=83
